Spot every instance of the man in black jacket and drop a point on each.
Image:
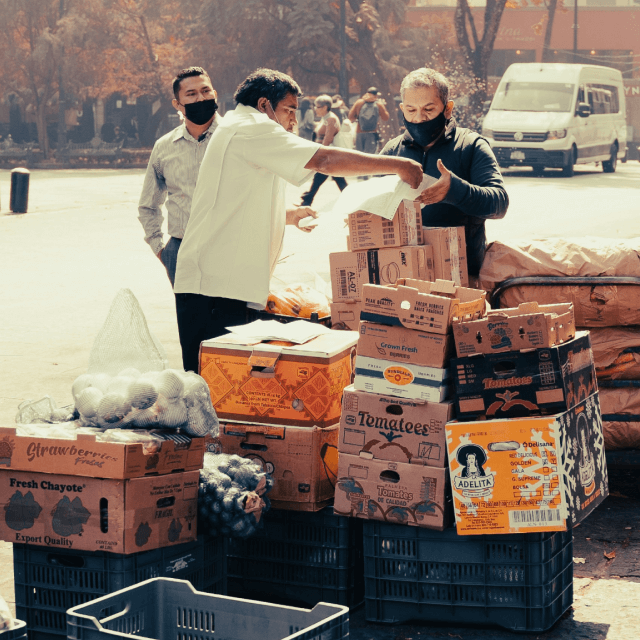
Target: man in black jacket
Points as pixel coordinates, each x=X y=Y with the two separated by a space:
x=469 y=189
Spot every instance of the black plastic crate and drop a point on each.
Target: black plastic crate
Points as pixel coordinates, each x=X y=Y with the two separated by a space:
x=300 y=557
x=522 y=582
x=50 y=581
x=165 y=609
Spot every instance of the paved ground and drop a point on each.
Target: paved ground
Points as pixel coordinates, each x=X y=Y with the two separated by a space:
x=64 y=261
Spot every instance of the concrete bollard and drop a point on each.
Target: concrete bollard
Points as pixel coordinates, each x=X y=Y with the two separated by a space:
x=19 y=199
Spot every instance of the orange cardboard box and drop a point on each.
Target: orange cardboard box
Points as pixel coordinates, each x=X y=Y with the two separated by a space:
x=297 y=385
x=345 y=315
x=350 y=271
x=449 y=253
x=302 y=460
x=85 y=456
x=424 y=306
x=518 y=475
x=394 y=492
x=94 y=514
x=529 y=326
x=390 y=428
x=369 y=231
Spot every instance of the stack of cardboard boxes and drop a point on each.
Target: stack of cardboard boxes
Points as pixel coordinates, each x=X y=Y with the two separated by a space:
x=527 y=452
x=392 y=444
x=278 y=403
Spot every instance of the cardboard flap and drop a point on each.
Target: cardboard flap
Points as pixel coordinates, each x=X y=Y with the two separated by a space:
x=263 y=363
x=444 y=287
x=528 y=307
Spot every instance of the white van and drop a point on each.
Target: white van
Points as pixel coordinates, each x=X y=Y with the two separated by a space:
x=558 y=115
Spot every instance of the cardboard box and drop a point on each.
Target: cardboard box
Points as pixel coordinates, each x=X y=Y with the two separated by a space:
x=369 y=231
x=424 y=306
x=350 y=271
x=529 y=326
x=302 y=460
x=402 y=380
x=345 y=315
x=393 y=492
x=84 y=456
x=525 y=383
x=297 y=385
x=390 y=428
x=546 y=473
x=449 y=253
x=94 y=514
x=404 y=345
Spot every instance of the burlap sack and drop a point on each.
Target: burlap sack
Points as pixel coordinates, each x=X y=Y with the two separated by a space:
x=595 y=306
x=616 y=352
x=625 y=400
x=621 y=435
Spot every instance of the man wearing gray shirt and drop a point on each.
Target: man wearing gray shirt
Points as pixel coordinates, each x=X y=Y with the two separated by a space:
x=174 y=163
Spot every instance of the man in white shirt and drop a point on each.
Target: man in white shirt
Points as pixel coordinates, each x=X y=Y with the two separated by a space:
x=173 y=166
x=235 y=232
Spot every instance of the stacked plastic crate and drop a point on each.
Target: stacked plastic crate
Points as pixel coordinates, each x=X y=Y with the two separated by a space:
x=279 y=405
x=128 y=514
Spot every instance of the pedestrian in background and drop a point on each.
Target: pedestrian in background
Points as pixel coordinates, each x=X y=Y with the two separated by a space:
x=306 y=119
x=174 y=163
x=368 y=111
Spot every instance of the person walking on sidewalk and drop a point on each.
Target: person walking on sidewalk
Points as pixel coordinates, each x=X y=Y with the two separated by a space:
x=327 y=134
x=174 y=163
x=367 y=112
x=236 y=229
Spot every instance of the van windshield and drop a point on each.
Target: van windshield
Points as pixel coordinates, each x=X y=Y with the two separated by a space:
x=534 y=96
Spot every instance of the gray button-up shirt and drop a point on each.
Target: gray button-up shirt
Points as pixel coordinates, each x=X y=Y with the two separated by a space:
x=171 y=175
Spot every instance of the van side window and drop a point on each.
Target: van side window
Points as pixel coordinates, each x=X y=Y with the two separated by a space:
x=603 y=98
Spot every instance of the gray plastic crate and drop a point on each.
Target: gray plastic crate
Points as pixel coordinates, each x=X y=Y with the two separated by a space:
x=19 y=631
x=165 y=609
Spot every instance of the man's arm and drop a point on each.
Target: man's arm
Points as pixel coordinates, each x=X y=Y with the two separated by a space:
x=484 y=196
x=331 y=129
x=382 y=110
x=333 y=161
x=154 y=193
x=355 y=110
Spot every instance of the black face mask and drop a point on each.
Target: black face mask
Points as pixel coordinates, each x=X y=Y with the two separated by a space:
x=200 y=112
x=424 y=133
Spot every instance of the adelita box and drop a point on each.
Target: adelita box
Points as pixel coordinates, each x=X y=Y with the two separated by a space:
x=350 y=271
x=528 y=326
x=410 y=381
x=296 y=385
x=303 y=461
x=404 y=345
x=424 y=306
x=369 y=231
x=390 y=428
x=394 y=492
x=449 y=253
x=94 y=514
x=544 y=473
x=522 y=383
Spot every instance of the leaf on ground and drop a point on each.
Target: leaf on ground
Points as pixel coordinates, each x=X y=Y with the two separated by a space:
x=617 y=494
x=610 y=556
x=579 y=561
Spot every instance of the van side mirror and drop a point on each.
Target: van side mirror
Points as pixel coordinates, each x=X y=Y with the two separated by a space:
x=584 y=110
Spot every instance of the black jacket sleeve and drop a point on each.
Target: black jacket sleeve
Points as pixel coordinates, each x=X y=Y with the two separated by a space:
x=484 y=195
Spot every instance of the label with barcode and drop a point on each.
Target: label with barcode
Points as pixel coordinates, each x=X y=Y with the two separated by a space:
x=342 y=283
x=534 y=518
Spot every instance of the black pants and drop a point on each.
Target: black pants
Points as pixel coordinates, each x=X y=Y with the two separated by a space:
x=318 y=180
x=201 y=318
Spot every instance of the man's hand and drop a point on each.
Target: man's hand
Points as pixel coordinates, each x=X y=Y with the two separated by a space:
x=299 y=213
x=410 y=172
x=159 y=254
x=437 y=192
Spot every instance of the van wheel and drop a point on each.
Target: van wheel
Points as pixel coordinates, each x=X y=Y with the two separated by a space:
x=567 y=168
x=609 y=166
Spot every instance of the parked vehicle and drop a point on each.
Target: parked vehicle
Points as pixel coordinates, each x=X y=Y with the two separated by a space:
x=558 y=115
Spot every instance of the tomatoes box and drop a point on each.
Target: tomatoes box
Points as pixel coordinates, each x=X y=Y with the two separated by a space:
x=542 y=473
x=389 y=428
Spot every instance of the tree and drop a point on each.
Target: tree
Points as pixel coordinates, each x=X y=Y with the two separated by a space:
x=478 y=48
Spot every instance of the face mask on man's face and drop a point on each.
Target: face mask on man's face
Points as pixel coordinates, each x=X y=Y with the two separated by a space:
x=424 y=133
x=200 y=112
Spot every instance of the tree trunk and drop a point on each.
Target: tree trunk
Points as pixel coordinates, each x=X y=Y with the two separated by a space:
x=546 y=47
x=41 y=124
